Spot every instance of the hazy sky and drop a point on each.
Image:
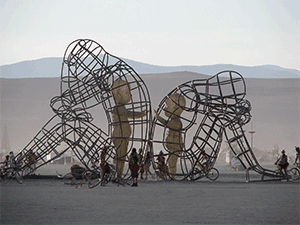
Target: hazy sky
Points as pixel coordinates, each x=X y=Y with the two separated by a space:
x=168 y=33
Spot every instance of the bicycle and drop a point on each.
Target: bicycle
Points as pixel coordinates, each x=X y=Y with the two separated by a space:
x=292 y=174
x=94 y=177
x=162 y=172
x=296 y=171
x=212 y=174
x=11 y=173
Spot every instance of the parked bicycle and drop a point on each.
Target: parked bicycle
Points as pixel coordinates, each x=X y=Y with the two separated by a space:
x=212 y=174
x=11 y=173
x=292 y=174
x=295 y=170
x=93 y=177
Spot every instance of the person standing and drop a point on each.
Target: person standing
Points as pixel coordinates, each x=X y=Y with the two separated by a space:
x=147 y=163
x=134 y=166
x=282 y=162
x=162 y=168
x=105 y=169
x=141 y=163
x=297 y=159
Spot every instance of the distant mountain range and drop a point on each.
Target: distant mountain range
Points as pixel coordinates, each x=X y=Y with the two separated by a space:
x=51 y=67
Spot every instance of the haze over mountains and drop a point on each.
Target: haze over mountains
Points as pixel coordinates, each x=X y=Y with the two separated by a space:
x=51 y=67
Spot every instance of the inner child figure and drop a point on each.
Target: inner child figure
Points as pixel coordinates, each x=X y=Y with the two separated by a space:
x=121 y=129
x=174 y=142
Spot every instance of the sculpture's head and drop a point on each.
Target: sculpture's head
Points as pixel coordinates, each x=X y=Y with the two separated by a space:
x=174 y=105
x=121 y=91
x=242 y=112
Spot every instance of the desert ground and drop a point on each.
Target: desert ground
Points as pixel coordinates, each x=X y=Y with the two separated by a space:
x=228 y=200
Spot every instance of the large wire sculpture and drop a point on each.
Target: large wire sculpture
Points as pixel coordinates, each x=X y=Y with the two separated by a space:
x=188 y=128
x=90 y=77
x=191 y=121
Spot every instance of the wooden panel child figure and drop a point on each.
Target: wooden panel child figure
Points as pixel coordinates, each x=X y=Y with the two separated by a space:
x=121 y=128
x=174 y=142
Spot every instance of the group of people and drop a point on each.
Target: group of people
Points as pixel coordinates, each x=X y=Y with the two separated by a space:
x=138 y=164
x=8 y=165
x=12 y=162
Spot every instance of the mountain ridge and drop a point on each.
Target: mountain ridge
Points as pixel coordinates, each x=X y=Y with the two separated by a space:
x=51 y=67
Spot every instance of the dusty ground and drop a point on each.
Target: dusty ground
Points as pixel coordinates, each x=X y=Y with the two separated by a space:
x=229 y=200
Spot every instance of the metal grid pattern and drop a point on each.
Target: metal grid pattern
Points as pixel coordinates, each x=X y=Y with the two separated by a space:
x=87 y=75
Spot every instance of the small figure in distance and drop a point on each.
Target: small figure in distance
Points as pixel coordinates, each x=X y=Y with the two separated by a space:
x=12 y=160
x=11 y=163
x=31 y=160
x=282 y=162
x=161 y=166
x=20 y=159
x=147 y=164
x=5 y=166
x=141 y=163
x=134 y=167
x=105 y=169
x=297 y=159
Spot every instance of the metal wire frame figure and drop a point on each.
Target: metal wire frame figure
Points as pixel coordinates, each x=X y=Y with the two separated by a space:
x=213 y=108
x=87 y=75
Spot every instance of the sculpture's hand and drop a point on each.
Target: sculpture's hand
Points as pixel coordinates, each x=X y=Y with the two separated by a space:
x=63 y=108
x=156 y=115
x=145 y=112
x=60 y=105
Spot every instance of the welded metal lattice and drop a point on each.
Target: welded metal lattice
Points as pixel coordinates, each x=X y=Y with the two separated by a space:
x=188 y=127
x=88 y=79
x=197 y=115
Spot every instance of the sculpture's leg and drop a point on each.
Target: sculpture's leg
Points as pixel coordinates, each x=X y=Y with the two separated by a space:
x=172 y=165
x=172 y=160
x=235 y=134
x=83 y=138
x=121 y=144
x=206 y=145
x=43 y=145
x=86 y=141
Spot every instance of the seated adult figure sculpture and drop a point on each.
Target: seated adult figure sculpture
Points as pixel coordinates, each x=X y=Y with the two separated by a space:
x=91 y=77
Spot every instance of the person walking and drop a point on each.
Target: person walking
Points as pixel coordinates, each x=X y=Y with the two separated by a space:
x=105 y=169
x=134 y=167
x=147 y=164
x=297 y=159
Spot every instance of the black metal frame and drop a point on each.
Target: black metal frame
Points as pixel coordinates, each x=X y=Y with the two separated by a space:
x=215 y=108
x=86 y=75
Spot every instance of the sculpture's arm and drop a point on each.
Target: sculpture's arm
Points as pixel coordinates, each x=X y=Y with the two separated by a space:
x=174 y=124
x=160 y=119
x=82 y=95
x=132 y=114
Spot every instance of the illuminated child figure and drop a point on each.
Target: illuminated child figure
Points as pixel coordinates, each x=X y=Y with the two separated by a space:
x=174 y=142
x=121 y=128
